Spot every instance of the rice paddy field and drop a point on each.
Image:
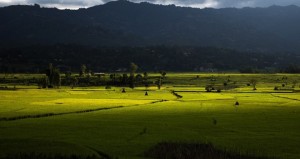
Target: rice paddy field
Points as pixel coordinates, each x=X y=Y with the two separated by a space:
x=93 y=120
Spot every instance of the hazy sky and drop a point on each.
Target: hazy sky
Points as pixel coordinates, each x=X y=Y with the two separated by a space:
x=73 y=4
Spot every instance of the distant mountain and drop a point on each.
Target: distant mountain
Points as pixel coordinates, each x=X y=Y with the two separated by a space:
x=123 y=23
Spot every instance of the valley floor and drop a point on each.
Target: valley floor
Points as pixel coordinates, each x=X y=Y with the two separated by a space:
x=94 y=120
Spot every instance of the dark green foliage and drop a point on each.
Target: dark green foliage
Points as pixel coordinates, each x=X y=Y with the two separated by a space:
x=248 y=70
x=133 y=68
x=155 y=58
x=253 y=82
x=159 y=83
x=132 y=78
x=74 y=82
x=50 y=74
x=112 y=78
x=53 y=75
x=294 y=83
x=68 y=78
x=43 y=82
x=163 y=74
x=124 y=79
x=83 y=71
x=145 y=80
x=139 y=78
x=292 y=69
x=132 y=82
x=208 y=88
x=145 y=75
x=57 y=79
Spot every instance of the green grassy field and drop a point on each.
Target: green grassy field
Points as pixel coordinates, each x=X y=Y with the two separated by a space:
x=125 y=125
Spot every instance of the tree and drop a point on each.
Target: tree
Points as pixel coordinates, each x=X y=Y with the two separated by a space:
x=74 y=82
x=138 y=78
x=159 y=83
x=44 y=82
x=146 y=85
x=133 y=68
x=112 y=78
x=124 y=79
x=209 y=88
x=56 y=78
x=145 y=75
x=292 y=69
x=163 y=74
x=294 y=83
x=68 y=76
x=83 y=71
x=49 y=74
x=53 y=75
x=145 y=80
x=253 y=82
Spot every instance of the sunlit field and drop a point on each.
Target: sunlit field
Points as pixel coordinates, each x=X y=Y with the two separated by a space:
x=94 y=120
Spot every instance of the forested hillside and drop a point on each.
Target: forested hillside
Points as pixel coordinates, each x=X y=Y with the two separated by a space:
x=123 y=23
x=153 y=58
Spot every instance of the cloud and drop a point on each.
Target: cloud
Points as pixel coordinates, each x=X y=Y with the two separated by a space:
x=73 y=4
x=206 y=4
x=187 y=3
x=225 y=3
x=11 y=2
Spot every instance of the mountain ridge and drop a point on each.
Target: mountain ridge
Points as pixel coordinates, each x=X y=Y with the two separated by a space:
x=123 y=23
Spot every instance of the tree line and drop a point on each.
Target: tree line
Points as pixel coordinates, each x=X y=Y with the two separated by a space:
x=33 y=59
x=53 y=78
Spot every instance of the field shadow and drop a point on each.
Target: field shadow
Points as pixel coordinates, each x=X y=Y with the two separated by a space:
x=171 y=150
x=46 y=149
